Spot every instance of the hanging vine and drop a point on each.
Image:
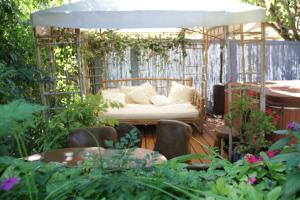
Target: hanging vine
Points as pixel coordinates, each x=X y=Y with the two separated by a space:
x=100 y=44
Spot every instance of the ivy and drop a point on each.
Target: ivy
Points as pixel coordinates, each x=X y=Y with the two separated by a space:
x=99 y=44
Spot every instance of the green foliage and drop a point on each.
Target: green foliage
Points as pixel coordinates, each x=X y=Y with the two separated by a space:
x=17 y=81
x=99 y=44
x=283 y=16
x=122 y=176
x=290 y=155
x=52 y=132
x=18 y=75
x=94 y=180
x=130 y=140
x=252 y=124
x=17 y=117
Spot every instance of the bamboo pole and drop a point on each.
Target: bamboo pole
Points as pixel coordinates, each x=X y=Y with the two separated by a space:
x=204 y=75
x=263 y=68
x=229 y=80
x=39 y=65
x=243 y=52
x=77 y=31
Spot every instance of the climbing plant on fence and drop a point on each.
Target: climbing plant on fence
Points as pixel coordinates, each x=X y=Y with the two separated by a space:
x=99 y=44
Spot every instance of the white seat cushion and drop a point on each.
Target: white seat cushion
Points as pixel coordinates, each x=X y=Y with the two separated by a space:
x=141 y=112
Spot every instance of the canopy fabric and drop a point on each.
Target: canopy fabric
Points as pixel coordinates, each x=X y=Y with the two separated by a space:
x=119 y=14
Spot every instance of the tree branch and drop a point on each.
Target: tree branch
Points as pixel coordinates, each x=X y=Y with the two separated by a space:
x=291 y=20
x=283 y=31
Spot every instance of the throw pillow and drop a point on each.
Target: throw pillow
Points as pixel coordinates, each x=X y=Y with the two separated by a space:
x=160 y=100
x=126 y=90
x=142 y=93
x=180 y=93
x=114 y=96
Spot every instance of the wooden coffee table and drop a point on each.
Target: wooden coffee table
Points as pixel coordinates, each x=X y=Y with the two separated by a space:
x=112 y=157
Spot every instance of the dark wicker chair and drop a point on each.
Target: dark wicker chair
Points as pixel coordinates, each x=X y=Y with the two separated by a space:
x=173 y=138
x=91 y=137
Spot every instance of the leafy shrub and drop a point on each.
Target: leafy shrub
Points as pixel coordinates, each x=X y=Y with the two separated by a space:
x=290 y=155
x=252 y=124
x=170 y=180
x=51 y=132
x=15 y=119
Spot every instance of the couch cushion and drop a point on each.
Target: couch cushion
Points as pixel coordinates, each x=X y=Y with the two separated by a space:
x=149 y=111
x=142 y=93
x=180 y=93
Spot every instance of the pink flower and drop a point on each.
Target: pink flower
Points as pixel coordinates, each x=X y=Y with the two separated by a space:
x=251 y=158
x=269 y=111
x=275 y=119
x=8 y=184
x=251 y=93
x=251 y=180
x=254 y=141
x=271 y=154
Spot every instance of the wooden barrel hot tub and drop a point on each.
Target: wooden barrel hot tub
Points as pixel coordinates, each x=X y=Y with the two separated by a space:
x=283 y=97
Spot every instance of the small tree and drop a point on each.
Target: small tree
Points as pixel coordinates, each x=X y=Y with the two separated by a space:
x=283 y=16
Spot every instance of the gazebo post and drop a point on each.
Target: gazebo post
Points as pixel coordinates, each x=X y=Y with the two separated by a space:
x=78 y=55
x=229 y=88
x=38 y=63
x=242 y=43
x=263 y=68
x=204 y=71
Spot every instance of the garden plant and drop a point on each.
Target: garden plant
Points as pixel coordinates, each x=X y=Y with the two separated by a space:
x=262 y=176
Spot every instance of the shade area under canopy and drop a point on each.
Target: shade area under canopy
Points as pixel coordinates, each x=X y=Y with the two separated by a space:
x=148 y=14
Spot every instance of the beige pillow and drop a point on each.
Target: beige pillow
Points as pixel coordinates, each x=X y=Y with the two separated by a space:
x=180 y=93
x=160 y=100
x=142 y=94
x=114 y=96
x=126 y=90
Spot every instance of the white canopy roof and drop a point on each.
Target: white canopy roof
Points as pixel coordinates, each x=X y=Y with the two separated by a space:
x=148 y=14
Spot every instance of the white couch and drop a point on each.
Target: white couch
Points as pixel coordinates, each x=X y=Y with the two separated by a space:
x=143 y=106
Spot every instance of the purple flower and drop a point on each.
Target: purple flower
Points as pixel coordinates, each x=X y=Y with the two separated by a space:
x=8 y=184
x=251 y=180
x=293 y=126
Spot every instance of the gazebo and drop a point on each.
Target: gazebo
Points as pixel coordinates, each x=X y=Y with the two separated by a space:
x=217 y=20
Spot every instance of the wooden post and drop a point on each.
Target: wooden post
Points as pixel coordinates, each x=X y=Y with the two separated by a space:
x=263 y=68
x=243 y=52
x=39 y=65
x=80 y=82
x=229 y=89
x=204 y=71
